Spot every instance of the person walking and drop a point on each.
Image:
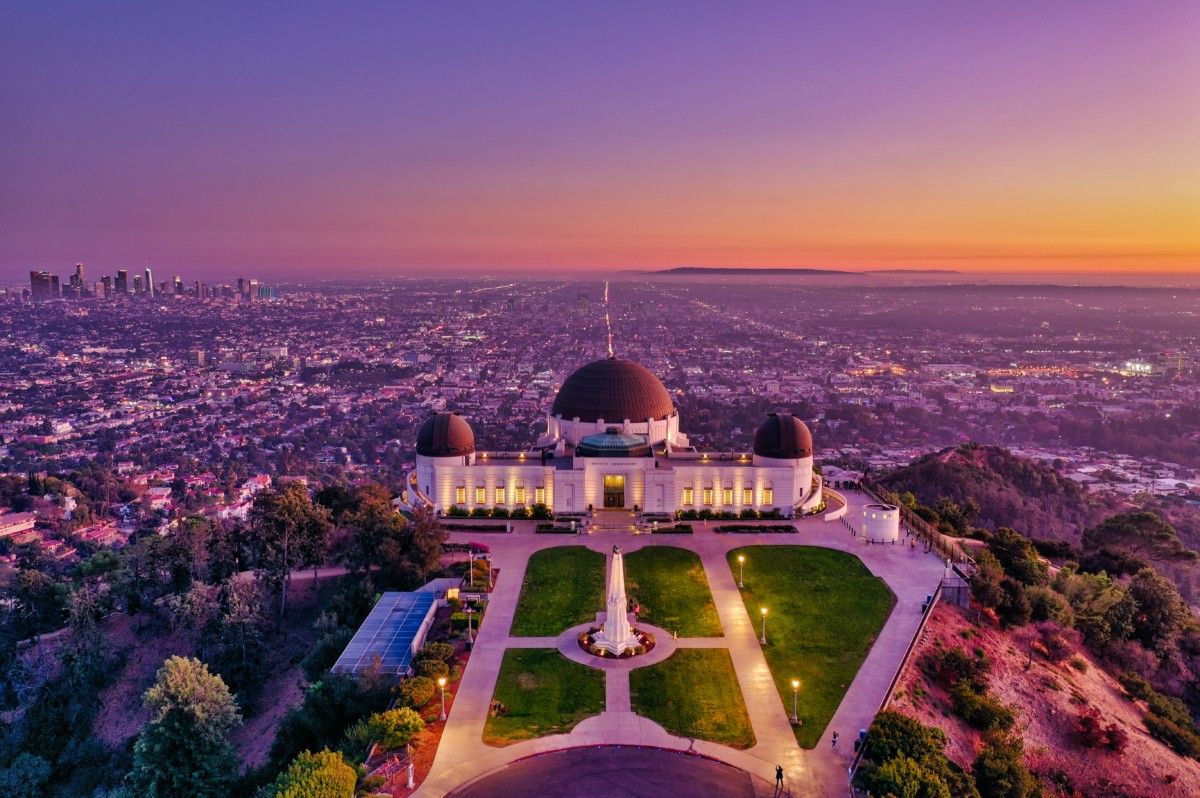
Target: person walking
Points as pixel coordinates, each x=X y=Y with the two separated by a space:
x=835 y=736
x=779 y=777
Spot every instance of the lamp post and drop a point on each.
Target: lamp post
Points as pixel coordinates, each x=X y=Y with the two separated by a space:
x=471 y=566
x=741 y=569
x=442 y=684
x=763 y=639
x=795 y=701
x=470 y=633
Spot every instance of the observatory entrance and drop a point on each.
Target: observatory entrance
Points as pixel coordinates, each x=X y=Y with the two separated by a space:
x=614 y=491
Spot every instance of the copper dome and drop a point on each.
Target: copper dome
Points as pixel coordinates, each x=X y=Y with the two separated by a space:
x=783 y=437
x=445 y=435
x=612 y=390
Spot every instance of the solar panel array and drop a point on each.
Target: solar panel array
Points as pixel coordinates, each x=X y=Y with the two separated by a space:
x=387 y=633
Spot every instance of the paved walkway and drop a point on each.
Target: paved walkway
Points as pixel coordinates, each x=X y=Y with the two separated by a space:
x=463 y=756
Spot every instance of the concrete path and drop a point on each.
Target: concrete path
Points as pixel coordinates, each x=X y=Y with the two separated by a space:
x=463 y=757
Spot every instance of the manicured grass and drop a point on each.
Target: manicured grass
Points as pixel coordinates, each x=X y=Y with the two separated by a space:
x=694 y=693
x=545 y=694
x=670 y=586
x=563 y=587
x=824 y=611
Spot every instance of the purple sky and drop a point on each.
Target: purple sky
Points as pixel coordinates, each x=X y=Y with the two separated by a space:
x=296 y=138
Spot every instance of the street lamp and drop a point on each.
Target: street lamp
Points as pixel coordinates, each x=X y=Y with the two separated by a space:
x=795 y=700
x=442 y=684
x=741 y=569
x=471 y=567
x=763 y=639
x=470 y=633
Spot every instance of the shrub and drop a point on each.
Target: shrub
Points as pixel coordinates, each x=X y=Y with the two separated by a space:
x=1135 y=685
x=501 y=512
x=437 y=651
x=1181 y=738
x=432 y=669
x=1000 y=770
x=454 y=511
x=1055 y=642
x=416 y=692
x=325 y=774
x=979 y=709
x=892 y=735
x=950 y=666
x=396 y=727
x=326 y=651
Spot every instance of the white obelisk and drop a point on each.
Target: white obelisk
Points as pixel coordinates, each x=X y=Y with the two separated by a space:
x=616 y=635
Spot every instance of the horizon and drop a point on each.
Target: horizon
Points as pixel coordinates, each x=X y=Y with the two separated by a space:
x=541 y=139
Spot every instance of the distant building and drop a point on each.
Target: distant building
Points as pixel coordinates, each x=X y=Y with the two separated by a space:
x=149 y=283
x=43 y=286
x=122 y=284
x=16 y=524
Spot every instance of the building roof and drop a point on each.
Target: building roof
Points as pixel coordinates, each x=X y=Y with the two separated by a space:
x=445 y=435
x=612 y=390
x=613 y=443
x=783 y=437
x=388 y=633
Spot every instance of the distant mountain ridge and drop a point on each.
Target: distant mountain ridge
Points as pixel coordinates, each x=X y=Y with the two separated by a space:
x=787 y=270
x=1011 y=491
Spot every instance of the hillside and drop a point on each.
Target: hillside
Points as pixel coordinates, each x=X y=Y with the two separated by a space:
x=1010 y=491
x=1047 y=699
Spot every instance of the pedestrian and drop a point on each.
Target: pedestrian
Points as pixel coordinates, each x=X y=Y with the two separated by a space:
x=835 y=736
x=779 y=776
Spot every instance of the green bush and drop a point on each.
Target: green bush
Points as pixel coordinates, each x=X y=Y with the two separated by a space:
x=1183 y=739
x=416 y=692
x=949 y=666
x=326 y=651
x=323 y=775
x=500 y=512
x=455 y=511
x=432 y=669
x=396 y=727
x=979 y=709
x=438 y=651
x=1000 y=770
x=1135 y=685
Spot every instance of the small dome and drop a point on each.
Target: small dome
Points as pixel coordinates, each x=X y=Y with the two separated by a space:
x=613 y=443
x=612 y=390
x=783 y=437
x=445 y=435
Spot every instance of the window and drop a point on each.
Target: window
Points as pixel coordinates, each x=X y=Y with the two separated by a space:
x=460 y=495
x=689 y=495
x=481 y=495
x=520 y=494
x=727 y=496
x=708 y=497
x=747 y=495
x=768 y=495
x=539 y=495
x=500 y=496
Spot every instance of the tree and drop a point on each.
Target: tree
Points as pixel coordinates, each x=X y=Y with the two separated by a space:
x=240 y=649
x=1144 y=534
x=321 y=775
x=372 y=523
x=1000 y=770
x=1014 y=608
x=985 y=582
x=1159 y=612
x=906 y=778
x=286 y=530
x=1018 y=557
x=185 y=749
x=893 y=735
x=26 y=777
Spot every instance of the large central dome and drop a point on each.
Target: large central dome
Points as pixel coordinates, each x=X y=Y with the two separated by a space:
x=612 y=390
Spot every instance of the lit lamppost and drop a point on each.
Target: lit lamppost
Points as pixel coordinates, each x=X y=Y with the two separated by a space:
x=763 y=639
x=795 y=700
x=470 y=633
x=471 y=566
x=741 y=569
x=442 y=684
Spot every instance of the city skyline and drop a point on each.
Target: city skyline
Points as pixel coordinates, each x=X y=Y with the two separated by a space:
x=1012 y=139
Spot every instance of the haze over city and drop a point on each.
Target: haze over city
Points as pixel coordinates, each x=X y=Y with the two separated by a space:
x=469 y=400
x=293 y=139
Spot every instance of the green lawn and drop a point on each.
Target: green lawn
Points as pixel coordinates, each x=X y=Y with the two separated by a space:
x=563 y=587
x=670 y=585
x=824 y=611
x=545 y=694
x=694 y=693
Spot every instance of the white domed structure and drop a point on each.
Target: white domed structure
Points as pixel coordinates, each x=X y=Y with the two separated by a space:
x=613 y=442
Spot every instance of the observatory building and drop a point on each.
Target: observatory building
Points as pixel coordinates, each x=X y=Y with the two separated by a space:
x=613 y=441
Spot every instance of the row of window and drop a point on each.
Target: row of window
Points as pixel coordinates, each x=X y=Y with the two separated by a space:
x=689 y=496
x=501 y=495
